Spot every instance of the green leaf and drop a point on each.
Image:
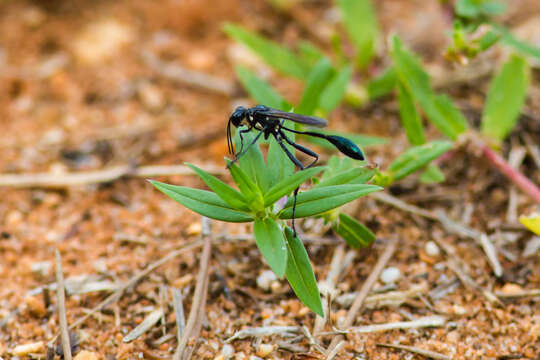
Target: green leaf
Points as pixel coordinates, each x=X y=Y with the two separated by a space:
x=358 y=175
x=410 y=118
x=360 y=22
x=310 y=53
x=383 y=84
x=353 y=232
x=286 y=186
x=519 y=45
x=505 y=98
x=454 y=117
x=415 y=79
x=270 y=241
x=416 y=158
x=300 y=274
x=275 y=55
x=335 y=90
x=479 y=8
x=228 y=194
x=260 y=90
x=321 y=199
x=252 y=162
x=203 y=202
x=432 y=175
x=279 y=165
x=315 y=85
x=250 y=190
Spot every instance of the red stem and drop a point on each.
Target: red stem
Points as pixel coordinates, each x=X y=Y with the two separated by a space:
x=512 y=174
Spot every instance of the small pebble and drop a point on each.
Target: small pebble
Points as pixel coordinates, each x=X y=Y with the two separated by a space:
x=265 y=279
x=535 y=332
x=151 y=96
x=227 y=351
x=390 y=275
x=459 y=310
x=35 y=306
x=432 y=249
x=194 y=229
x=511 y=289
x=86 y=355
x=264 y=350
x=42 y=268
x=25 y=349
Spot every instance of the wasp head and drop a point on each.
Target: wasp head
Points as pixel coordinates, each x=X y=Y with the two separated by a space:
x=236 y=118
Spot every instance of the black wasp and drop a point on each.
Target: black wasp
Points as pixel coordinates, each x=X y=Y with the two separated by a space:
x=270 y=121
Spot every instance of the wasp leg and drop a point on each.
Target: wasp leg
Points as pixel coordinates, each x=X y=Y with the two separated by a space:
x=301 y=167
x=239 y=155
x=242 y=140
x=301 y=149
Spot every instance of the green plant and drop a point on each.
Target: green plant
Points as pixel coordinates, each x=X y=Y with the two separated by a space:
x=361 y=25
x=475 y=31
x=263 y=197
x=505 y=99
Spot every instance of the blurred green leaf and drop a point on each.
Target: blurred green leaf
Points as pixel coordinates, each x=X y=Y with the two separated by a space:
x=416 y=158
x=260 y=90
x=410 y=118
x=300 y=274
x=479 y=8
x=415 y=79
x=228 y=194
x=383 y=84
x=358 y=175
x=454 y=117
x=287 y=185
x=310 y=53
x=353 y=232
x=270 y=241
x=360 y=21
x=275 y=55
x=315 y=85
x=322 y=199
x=202 y=202
x=521 y=46
x=335 y=90
x=431 y=175
x=252 y=162
x=505 y=98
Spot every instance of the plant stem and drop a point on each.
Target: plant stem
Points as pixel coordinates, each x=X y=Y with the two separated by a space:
x=512 y=174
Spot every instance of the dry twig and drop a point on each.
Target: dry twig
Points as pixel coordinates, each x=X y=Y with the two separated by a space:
x=55 y=181
x=149 y=321
x=64 y=332
x=186 y=76
x=199 y=297
x=364 y=291
x=426 y=321
x=449 y=225
x=520 y=294
x=327 y=287
x=427 y=353
x=283 y=331
x=179 y=313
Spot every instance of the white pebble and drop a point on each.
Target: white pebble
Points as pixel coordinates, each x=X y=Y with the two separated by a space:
x=432 y=249
x=227 y=351
x=265 y=279
x=390 y=275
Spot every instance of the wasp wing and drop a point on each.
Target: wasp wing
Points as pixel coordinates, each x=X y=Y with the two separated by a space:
x=302 y=119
